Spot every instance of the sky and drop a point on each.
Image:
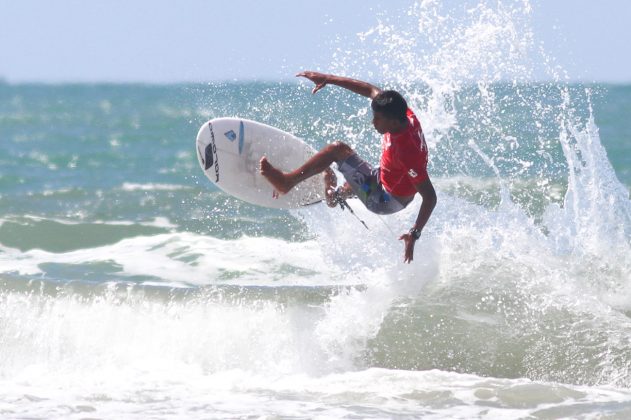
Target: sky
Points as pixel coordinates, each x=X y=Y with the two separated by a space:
x=162 y=41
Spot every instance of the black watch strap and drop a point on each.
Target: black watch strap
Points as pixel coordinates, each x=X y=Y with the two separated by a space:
x=415 y=233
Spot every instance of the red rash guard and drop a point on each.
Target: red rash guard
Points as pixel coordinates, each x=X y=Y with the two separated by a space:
x=404 y=159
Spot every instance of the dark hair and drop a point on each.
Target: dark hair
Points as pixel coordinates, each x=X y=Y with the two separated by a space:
x=391 y=104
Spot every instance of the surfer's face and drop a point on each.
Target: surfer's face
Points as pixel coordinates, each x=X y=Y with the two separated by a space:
x=380 y=122
x=384 y=124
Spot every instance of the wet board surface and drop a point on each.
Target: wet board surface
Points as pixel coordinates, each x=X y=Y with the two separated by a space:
x=229 y=150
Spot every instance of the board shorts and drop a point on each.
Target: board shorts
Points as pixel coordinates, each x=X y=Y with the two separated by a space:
x=365 y=183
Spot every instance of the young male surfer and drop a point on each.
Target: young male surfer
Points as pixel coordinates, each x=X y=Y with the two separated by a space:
x=402 y=171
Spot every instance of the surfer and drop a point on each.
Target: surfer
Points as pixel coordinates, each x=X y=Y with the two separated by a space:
x=386 y=189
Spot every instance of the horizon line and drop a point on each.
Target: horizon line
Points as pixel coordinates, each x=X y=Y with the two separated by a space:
x=288 y=80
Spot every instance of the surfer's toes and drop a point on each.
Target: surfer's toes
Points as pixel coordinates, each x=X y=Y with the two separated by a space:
x=264 y=166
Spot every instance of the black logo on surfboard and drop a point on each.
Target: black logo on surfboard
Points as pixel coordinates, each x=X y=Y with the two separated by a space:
x=209 y=159
x=210 y=154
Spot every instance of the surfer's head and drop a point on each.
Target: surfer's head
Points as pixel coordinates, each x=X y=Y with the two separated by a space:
x=389 y=111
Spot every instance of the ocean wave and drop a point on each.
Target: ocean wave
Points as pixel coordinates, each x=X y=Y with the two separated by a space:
x=373 y=393
x=184 y=258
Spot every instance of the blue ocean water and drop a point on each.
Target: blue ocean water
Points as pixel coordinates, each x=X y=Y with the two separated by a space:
x=131 y=287
x=121 y=153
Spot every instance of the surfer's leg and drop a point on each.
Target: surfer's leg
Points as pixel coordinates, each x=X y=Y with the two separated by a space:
x=364 y=181
x=284 y=182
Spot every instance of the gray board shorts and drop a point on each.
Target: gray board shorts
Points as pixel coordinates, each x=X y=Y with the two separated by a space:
x=365 y=183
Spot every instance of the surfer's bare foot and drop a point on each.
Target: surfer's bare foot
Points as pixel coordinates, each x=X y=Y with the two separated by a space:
x=276 y=177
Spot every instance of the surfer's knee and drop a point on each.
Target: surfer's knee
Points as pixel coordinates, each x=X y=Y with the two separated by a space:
x=340 y=150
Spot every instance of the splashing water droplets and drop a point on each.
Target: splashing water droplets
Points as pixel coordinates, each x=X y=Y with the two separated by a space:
x=529 y=205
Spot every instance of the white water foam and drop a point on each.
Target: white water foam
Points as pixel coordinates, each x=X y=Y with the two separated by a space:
x=159 y=222
x=189 y=259
x=130 y=186
x=576 y=259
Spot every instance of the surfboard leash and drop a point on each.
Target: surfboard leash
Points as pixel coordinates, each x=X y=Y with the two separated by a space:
x=344 y=205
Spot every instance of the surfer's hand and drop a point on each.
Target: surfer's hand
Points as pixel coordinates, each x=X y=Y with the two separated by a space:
x=409 y=247
x=331 y=197
x=319 y=79
x=330 y=182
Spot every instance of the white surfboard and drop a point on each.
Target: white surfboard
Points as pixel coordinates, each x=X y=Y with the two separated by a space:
x=229 y=150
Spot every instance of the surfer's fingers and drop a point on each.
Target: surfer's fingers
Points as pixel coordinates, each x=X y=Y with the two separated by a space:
x=318 y=87
x=408 y=254
x=308 y=75
x=318 y=78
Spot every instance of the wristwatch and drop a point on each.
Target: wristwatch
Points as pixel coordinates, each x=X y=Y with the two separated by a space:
x=415 y=233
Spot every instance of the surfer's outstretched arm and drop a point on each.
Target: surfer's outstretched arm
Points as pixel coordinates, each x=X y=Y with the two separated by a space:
x=356 y=86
